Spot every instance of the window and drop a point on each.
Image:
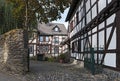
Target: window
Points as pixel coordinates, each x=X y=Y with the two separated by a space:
x=75 y=47
x=63 y=38
x=47 y=39
x=31 y=49
x=72 y=47
x=77 y=17
x=79 y=45
x=56 y=29
x=56 y=50
x=44 y=49
x=71 y=25
x=56 y=40
x=41 y=38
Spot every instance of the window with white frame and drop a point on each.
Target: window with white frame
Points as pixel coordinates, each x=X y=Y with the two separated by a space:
x=41 y=39
x=56 y=40
x=56 y=29
x=56 y=50
x=31 y=49
x=47 y=38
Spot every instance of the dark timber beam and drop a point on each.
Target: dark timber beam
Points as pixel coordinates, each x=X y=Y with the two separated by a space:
x=108 y=42
x=118 y=39
x=113 y=7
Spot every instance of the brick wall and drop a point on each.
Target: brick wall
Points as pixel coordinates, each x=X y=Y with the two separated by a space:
x=13 y=52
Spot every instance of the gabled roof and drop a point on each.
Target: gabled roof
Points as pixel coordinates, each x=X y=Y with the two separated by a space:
x=55 y=27
x=72 y=9
x=47 y=29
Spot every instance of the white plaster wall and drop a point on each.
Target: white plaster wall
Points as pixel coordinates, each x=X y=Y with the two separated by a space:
x=110 y=60
x=101 y=5
x=94 y=41
x=94 y=11
x=101 y=39
x=111 y=19
x=109 y=1
x=35 y=50
x=113 y=42
x=93 y=1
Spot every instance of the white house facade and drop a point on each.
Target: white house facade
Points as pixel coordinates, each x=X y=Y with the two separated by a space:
x=95 y=24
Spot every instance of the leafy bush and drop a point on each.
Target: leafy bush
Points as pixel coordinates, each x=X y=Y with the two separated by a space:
x=62 y=56
x=33 y=58
x=51 y=59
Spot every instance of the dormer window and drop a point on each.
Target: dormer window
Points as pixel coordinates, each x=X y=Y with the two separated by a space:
x=56 y=29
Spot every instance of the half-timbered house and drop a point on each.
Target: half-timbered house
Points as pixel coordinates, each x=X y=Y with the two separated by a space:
x=48 y=39
x=95 y=24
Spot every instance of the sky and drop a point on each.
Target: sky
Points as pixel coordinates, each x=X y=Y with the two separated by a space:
x=62 y=20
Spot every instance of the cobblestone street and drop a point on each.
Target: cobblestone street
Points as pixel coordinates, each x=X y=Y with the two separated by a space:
x=47 y=71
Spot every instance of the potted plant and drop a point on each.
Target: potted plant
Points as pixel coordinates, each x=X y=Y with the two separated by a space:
x=62 y=58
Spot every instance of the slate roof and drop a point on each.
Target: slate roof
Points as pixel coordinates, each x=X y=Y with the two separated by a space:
x=48 y=29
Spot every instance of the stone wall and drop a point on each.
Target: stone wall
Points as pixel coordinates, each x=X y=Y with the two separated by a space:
x=13 y=52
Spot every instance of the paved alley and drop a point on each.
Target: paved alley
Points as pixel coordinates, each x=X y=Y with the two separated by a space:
x=6 y=77
x=46 y=71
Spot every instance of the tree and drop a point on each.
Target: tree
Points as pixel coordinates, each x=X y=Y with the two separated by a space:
x=13 y=12
x=7 y=21
x=37 y=11
x=42 y=10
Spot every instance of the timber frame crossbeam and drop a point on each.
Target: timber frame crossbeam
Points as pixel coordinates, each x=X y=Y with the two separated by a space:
x=113 y=7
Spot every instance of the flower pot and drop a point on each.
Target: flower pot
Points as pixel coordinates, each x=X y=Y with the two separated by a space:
x=61 y=61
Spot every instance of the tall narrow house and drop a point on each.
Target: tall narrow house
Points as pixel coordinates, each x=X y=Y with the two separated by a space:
x=95 y=24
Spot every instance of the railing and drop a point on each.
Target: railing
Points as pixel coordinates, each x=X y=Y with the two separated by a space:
x=89 y=62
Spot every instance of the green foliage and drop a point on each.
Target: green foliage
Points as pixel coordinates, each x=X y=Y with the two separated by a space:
x=13 y=12
x=43 y=10
x=62 y=56
x=52 y=59
x=7 y=19
x=33 y=58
